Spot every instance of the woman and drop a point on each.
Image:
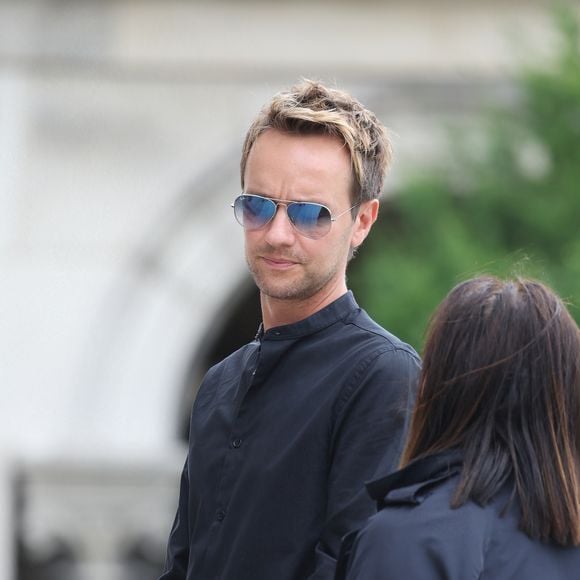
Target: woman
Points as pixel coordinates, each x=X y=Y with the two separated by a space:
x=490 y=480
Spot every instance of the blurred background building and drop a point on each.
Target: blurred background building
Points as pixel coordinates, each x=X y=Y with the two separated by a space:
x=121 y=268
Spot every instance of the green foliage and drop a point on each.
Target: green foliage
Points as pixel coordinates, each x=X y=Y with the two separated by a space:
x=511 y=207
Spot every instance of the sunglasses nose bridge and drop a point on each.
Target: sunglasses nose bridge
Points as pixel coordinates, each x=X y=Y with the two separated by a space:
x=285 y=205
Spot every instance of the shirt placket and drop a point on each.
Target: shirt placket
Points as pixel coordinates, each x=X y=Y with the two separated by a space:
x=234 y=454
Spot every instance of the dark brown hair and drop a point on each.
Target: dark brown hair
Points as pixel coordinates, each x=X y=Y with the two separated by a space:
x=501 y=382
x=311 y=107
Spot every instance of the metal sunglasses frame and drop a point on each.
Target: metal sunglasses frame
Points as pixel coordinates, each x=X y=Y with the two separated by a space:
x=286 y=204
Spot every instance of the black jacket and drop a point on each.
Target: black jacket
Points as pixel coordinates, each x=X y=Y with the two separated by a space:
x=417 y=536
x=284 y=432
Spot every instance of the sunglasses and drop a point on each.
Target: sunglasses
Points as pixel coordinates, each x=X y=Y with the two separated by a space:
x=310 y=219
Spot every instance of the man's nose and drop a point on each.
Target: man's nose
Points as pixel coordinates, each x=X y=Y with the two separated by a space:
x=280 y=230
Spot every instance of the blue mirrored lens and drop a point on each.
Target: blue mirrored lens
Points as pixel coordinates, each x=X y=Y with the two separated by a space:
x=311 y=219
x=254 y=212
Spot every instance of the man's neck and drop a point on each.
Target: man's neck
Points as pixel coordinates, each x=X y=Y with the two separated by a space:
x=279 y=312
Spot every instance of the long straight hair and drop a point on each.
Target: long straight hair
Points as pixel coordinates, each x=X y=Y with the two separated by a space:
x=501 y=382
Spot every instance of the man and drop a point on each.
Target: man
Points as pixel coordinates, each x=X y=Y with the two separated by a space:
x=285 y=431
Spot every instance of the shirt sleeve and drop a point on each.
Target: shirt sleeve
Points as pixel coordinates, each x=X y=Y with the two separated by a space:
x=177 y=558
x=371 y=418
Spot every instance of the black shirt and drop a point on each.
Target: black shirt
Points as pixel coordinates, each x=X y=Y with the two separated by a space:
x=283 y=434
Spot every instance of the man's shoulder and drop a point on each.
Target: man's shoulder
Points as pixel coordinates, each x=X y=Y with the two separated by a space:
x=359 y=323
x=370 y=358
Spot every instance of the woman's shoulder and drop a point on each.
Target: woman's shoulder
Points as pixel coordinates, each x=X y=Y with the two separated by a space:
x=416 y=530
x=422 y=493
x=416 y=534
x=413 y=539
x=423 y=514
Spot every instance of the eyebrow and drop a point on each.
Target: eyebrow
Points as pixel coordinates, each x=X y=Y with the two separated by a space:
x=267 y=195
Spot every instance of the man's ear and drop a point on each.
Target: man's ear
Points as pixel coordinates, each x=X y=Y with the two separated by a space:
x=366 y=217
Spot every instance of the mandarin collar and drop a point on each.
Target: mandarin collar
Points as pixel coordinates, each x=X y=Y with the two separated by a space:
x=330 y=314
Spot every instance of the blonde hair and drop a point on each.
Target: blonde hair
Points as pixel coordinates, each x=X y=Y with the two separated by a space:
x=310 y=107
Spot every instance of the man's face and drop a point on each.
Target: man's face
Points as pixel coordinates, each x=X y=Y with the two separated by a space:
x=285 y=264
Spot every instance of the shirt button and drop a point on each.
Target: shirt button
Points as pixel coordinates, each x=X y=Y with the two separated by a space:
x=220 y=515
x=236 y=443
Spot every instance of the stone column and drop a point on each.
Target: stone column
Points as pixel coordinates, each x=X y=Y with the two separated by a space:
x=99 y=512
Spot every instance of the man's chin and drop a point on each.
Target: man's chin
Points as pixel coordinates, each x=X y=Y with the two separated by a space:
x=284 y=292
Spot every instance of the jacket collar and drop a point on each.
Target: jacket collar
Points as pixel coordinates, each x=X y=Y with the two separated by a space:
x=408 y=485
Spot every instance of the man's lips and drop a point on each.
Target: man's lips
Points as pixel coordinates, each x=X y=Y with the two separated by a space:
x=278 y=263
